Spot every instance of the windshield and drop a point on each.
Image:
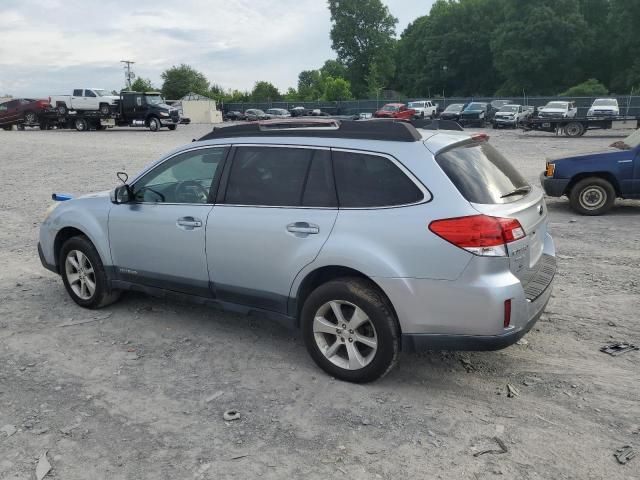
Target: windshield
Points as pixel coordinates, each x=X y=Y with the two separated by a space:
x=476 y=106
x=509 y=108
x=416 y=104
x=632 y=141
x=154 y=99
x=560 y=105
x=102 y=93
x=454 y=107
x=605 y=102
x=390 y=108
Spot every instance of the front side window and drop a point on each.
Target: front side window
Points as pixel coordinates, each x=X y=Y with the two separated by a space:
x=365 y=181
x=3 y=107
x=89 y=93
x=268 y=176
x=185 y=178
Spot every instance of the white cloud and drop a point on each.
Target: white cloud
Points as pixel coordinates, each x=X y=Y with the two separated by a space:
x=53 y=46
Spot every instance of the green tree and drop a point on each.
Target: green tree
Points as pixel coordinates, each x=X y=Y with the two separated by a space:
x=291 y=95
x=265 y=92
x=362 y=33
x=310 y=85
x=336 y=89
x=333 y=68
x=623 y=44
x=539 y=45
x=179 y=81
x=142 y=85
x=588 y=88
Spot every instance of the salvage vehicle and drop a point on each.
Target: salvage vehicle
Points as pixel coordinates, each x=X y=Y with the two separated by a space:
x=453 y=111
x=21 y=111
x=476 y=113
x=556 y=109
x=254 y=114
x=133 y=109
x=424 y=108
x=277 y=113
x=234 y=116
x=370 y=236
x=509 y=116
x=95 y=99
x=604 y=107
x=593 y=181
x=395 y=110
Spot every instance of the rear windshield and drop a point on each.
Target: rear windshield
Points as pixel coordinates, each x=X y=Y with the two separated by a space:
x=482 y=174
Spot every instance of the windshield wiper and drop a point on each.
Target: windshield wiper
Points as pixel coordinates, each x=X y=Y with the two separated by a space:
x=517 y=191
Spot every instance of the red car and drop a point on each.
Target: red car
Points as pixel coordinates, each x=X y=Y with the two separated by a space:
x=395 y=110
x=19 y=111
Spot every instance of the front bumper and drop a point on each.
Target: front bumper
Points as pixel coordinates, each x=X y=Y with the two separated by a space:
x=505 y=121
x=44 y=262
x=554 y=187
x=165 y=121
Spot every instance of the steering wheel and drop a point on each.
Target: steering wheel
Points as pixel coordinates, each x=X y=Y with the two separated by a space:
x=192 y=191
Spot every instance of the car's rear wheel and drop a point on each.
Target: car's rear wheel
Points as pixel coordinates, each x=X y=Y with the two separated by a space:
x=592 y=196
x=83 y=274
x=350 y=330
x=81 y=125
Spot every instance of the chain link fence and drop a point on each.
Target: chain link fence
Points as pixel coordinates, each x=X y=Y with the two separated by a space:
x=629 y=105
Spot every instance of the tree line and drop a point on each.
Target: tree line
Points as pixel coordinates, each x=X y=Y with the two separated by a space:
x=460 y=48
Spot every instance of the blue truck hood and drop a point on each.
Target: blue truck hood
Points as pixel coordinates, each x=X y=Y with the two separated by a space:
x=610 y=154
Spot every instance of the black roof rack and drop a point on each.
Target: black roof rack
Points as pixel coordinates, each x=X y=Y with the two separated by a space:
x=389 y=130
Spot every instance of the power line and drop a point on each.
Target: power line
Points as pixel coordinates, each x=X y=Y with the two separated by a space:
x=128 y=74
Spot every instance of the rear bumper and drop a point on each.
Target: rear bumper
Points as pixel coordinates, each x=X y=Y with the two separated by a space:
x=554 y=187
x=468 y=313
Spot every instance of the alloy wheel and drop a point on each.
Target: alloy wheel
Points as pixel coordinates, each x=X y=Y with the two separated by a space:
x=345 y=335
x=80 y=274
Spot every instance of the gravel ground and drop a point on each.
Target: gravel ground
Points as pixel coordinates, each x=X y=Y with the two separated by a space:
x=139 y=391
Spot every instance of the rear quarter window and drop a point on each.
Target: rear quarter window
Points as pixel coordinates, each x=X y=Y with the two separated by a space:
x=482 y=174
x=366 y=181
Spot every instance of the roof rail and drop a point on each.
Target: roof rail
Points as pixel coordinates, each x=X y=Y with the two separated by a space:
x=388 y=130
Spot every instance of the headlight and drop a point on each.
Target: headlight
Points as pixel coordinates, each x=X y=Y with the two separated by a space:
x=50 y=209
x=164 y=114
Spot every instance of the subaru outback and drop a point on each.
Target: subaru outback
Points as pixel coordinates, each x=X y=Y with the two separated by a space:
x=372 y=237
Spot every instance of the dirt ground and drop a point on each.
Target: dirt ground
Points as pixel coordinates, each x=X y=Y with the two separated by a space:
x=137 y=390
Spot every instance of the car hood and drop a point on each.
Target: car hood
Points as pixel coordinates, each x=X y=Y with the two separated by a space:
x=553 y=110
x=608 y=154
x=106 y=193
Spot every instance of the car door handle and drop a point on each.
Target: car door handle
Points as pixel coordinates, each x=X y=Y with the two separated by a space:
x=303 y=227
x=189 y=223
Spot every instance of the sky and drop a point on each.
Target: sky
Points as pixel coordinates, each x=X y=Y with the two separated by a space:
x=52 y=46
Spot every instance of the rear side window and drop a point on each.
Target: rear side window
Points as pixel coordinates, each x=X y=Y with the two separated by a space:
x=364 y=180
x=268 y=176
x=77 y=92
x=482 y=174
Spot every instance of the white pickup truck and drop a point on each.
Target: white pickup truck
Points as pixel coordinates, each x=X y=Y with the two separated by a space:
x=424 y=108
x=84 y=99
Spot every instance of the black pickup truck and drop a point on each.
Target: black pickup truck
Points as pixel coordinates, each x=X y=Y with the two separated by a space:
x=133 y=109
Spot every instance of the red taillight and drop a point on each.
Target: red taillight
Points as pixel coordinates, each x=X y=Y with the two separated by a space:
x=479 y=234
x=480 y=137
x=507 y=313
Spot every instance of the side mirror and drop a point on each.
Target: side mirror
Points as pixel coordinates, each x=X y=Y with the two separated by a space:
x=121 y=194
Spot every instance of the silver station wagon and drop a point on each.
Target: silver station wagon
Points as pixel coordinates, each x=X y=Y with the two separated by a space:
x=372 y=237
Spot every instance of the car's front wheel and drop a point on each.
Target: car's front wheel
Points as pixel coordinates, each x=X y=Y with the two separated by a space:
x=83 y=274
x=592 y=196
x=350 y=330
x=154 y=124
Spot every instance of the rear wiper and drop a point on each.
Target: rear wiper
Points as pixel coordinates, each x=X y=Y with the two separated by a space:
x=517 y=191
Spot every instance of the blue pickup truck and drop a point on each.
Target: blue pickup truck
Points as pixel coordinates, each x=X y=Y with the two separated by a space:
x=593 y=181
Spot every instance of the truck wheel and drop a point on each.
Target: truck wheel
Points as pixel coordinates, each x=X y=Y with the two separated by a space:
x=433 y=115
x=592 y=196
x=81 y=125
x=172 y=127
x=574 y=129
x=105 y=109
x=7 y=128
x=62 y=109
x=154 y=124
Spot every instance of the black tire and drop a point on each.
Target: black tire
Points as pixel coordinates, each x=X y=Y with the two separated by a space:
x=20 y=126
x=154 y=124
x=366 y=296
x=592 y=196
x=574 y=129
x=7 y=128
x=433 y=115
x=105 y=109
x=172 y=127
x=81 y=124
x=101 y=296
x=494 y=125
x=30 y=117
x=62 y=109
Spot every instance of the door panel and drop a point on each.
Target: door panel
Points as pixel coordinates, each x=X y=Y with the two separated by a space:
x=151 y=245
x=255 y=253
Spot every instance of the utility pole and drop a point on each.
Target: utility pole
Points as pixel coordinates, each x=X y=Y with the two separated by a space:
x=128 y=74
